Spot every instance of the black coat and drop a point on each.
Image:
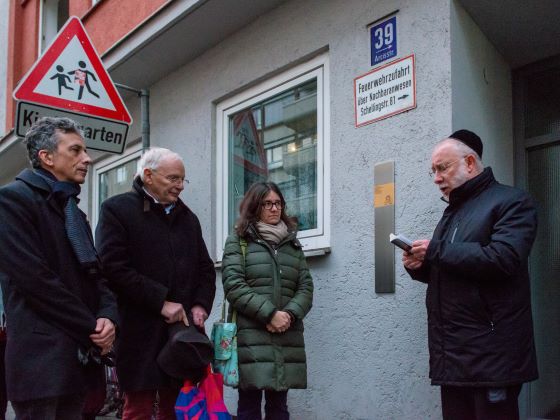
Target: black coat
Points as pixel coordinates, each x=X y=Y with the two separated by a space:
x=51 y=305
x=150 y=257
x=480 y=328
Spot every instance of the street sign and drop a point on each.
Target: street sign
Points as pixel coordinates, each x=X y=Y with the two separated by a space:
x=385 y=91
x=383 y=40
x=99 y=133
x=70 y=77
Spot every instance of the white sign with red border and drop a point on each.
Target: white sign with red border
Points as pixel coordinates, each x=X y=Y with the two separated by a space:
x=70 y=77
x=385 y=91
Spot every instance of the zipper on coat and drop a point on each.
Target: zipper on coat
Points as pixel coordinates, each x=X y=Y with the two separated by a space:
x=454 y=232
x=276 y=278
x=277 y=294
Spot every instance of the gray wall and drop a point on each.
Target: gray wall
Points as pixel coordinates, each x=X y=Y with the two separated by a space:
x=482 y=92
x=367 y=353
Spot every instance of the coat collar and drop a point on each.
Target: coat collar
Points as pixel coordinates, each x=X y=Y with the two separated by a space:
x=149 y=202
x=38 y=182
x=32 y=179
x=472 y=187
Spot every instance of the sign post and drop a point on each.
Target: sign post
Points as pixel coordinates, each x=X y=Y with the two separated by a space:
x=69 y=80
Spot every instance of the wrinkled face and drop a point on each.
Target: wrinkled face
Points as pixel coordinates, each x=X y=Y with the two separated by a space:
x=167 y=181
x=271 y=215
x=449 y=167
x=70 y=161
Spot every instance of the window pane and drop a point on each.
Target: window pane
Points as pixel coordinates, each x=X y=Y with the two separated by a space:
x=116 y=180
x=276 y=140
x=542 y=110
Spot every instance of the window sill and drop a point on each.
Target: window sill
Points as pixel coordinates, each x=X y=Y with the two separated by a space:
x=310 y=253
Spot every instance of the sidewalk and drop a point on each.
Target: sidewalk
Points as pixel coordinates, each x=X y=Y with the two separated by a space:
x=10 y=415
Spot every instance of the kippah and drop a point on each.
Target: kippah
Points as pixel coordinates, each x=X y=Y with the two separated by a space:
x=470 y=139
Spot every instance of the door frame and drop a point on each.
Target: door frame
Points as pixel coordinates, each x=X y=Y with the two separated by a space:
x=521 y=146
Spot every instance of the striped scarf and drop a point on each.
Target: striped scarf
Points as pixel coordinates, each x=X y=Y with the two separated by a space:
x=77 y=228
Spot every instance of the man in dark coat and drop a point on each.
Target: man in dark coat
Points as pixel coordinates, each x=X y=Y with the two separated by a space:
x=480 y=328
x=60 y=311
x=152 y=248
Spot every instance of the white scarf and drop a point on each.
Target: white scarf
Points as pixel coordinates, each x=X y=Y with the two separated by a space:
x=273 y=233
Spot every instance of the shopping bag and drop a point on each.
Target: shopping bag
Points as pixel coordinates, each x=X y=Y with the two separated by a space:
x=202 y=402
x=224 y=338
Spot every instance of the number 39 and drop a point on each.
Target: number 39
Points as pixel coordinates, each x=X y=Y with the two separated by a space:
x=383 y=36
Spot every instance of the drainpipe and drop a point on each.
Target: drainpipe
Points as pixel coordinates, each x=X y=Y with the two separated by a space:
x=144 y=95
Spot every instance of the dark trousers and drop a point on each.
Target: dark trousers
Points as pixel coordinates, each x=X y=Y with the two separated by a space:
x=139 y=405
x=67 y=407
x=3 y=395
x=466 y=403
x=275 y=408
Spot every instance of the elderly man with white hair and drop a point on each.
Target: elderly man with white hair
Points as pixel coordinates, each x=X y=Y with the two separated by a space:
x=480 y=329
x=152 y=249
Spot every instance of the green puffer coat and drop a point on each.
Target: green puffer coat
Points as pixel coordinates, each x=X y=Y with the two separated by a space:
x=267 y=280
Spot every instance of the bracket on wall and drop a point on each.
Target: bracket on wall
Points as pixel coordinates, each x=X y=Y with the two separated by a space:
x=384 y=213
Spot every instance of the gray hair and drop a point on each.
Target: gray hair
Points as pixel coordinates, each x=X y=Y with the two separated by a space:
x=43 y=135
x=152 y=159
x=465 y=150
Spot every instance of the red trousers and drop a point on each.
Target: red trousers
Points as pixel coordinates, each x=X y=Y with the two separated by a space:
x=139 y=405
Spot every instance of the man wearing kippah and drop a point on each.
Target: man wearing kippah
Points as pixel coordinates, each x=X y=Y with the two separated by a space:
x=480 y=329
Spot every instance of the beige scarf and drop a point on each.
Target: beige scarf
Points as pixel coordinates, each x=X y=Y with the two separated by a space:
x=273 y=233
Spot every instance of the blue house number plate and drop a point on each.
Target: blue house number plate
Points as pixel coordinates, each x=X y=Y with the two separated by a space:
x=383 y=40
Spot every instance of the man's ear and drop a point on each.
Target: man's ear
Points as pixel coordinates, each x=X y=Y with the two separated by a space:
x=471 y=162
x=148 y=176
x=46 y=158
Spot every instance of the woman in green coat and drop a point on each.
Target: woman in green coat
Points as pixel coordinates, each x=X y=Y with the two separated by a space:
x=266 y=280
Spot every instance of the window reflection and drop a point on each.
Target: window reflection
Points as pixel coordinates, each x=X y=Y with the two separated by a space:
x=116 y=180
x=276 y=140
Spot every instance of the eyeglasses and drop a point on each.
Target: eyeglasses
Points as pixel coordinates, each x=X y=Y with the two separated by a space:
x=268 y=205
x=174 y=179
x=443 y=167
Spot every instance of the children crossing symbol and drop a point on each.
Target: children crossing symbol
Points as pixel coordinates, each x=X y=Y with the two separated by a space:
x=70 y=76
x=69 y=80
x=82 y=76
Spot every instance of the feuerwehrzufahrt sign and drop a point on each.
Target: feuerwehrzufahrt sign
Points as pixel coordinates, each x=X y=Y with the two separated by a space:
x=385 y=91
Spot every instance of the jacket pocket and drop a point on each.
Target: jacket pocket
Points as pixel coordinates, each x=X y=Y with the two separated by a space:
x=486 y=311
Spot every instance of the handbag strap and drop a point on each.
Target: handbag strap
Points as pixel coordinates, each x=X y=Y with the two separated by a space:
x=243 y=245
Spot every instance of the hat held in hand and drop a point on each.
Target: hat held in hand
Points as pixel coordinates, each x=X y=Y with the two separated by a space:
x=187 y=352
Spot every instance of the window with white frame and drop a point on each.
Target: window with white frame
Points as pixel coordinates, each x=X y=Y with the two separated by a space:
x=112 y=176
x=54 y=14
x=278 y=131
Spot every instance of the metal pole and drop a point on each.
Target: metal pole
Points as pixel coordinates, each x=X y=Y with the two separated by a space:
x=145 y=110
x=144 y=95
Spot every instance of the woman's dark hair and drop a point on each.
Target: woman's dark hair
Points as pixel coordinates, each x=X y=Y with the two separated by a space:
x=251 y=206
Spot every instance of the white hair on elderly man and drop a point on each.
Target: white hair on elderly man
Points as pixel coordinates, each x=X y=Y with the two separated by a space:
x=152 y=159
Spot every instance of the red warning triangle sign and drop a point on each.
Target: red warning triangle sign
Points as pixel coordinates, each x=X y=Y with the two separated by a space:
x=70 y=75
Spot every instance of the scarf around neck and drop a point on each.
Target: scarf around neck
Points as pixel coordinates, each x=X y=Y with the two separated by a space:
x=77 y=229
x=273 y=233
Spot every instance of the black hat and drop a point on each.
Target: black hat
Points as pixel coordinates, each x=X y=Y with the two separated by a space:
x=470 y=139
x=187 y=353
